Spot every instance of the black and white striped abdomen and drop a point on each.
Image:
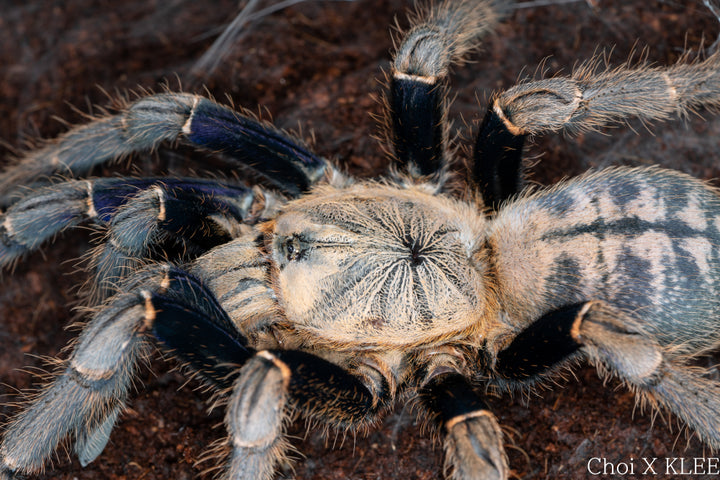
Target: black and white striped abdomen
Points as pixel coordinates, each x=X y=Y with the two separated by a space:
x=647 y=240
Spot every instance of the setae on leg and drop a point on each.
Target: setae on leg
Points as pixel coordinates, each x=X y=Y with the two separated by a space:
x=417 y=101
x=618 y=346
x=274 y=383
x=85 y=398
x=282 y=160
x=50 y=210
x=473 y=439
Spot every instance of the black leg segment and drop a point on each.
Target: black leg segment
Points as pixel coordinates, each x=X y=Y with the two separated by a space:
x=177 y=219
x=191 y=323
x=547 y=342
x=328 y=392
x=451 y=396
x=283 y=161
x=257 y=408
x=440 y=36
x=498 y=160
x=109 y=194
x=473 y=440
x=417 y=106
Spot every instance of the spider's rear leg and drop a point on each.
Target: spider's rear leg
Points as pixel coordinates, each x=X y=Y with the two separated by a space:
x=498 y=165
x=587 y=100
x=283 y=161
x=417 y=103
x=590 y=100
x=473 y=439
x=617 y=345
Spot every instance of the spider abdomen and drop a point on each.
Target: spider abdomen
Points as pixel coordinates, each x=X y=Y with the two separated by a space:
x=642 y=239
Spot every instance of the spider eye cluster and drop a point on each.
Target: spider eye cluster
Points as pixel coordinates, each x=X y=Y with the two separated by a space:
x=292 y=248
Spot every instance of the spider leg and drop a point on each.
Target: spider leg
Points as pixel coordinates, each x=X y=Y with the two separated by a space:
x=282 y=160
x=176 y=308
x=164 y=219
x=417 y=101
x=170 y=206
x=270 y=382
x=473 y=439
x=86 y=396
x=587 y=100
x=617 y=345
x=547 y=342
x=498 y=165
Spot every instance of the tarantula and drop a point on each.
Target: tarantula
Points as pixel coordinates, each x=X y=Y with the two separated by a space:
x=334 y=297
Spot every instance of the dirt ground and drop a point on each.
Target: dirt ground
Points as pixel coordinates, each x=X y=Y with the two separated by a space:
x=316 y=64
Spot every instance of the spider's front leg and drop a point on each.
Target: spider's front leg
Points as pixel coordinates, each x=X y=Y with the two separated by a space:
x=174 y=221
x=87 y=395
x=141 y=214
x=156 y=205
x=173 y=306
x=283 y=161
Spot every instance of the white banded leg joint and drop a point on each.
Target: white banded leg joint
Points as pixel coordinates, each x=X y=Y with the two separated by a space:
x=256 y=416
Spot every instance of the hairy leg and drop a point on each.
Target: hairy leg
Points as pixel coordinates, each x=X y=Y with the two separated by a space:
x=171 y=223
x=589 y=99
x=616 y=344
x=50 y=210
x=176 y=308
x=473 y=440
x=281 y=159
x=417 y=103
x=269 y=388
x=90 y=390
